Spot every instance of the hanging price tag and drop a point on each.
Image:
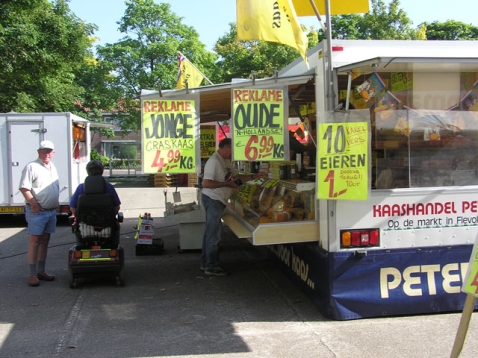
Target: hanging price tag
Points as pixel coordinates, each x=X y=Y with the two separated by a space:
x=170 y=136
x=208 y=140
x=259 y=124
x=343 y=164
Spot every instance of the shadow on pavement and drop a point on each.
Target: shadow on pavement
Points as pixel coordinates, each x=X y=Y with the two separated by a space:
x=167 y=308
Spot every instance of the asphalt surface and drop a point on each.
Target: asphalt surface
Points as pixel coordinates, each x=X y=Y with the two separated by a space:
x=169 y=308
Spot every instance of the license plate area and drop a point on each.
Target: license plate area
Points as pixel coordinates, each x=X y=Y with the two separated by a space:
x=11 y=209
x=95 y=254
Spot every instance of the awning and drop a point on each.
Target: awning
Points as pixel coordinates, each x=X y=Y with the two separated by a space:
x=101 y=125
x=215 y=100
x=82 y=122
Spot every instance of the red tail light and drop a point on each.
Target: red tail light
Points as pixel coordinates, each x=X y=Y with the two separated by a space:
x=359 y=238
x=373 y=237
x=364 y=239
x=64 y=209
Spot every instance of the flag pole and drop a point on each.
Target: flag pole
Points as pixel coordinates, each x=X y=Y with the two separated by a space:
x=328 y=36
x=312 y=3
x=207 y=79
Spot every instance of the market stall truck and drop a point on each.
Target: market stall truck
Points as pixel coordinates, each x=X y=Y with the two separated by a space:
x=20 y=137
x=405 y=249
x=403 y=243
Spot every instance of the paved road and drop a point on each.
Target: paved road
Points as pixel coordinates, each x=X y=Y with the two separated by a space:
x=169 y=308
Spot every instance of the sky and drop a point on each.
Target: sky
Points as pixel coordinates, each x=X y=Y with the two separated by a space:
x=211 y=18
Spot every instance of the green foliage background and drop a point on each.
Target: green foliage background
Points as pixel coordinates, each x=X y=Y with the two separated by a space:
x=49 y=63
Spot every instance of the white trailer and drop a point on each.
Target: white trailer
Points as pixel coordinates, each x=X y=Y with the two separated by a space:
x=20 y=136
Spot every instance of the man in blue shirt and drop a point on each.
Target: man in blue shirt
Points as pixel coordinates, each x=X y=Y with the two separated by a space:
x=94 y=167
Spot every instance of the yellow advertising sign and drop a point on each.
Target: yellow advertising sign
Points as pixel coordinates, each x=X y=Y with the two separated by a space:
x=208 y=140
x=401 y=81
x=470 y=284
x=304 y=8
x=246 y=192
x=342 y=161
x=258 y=127
x=169 y=135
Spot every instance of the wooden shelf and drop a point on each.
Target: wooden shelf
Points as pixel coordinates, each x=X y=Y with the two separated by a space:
x=274 y=233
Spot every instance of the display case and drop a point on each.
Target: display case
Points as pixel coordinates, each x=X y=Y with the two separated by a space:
x=269 y=211
x=431 y=149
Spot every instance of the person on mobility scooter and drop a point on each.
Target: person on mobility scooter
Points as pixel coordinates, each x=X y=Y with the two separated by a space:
x=95 y=222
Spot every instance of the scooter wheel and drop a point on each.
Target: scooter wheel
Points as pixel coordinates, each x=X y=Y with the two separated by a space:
x=120 y=278
x=72 y=281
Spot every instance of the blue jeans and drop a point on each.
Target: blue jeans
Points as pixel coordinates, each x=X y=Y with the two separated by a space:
x=212 y=232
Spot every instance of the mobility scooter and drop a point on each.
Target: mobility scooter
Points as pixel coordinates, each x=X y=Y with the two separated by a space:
x=97 y=231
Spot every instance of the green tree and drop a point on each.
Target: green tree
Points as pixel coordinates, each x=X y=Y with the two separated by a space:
x=450 y=30
x=94 y=155
x=42 y=45
x=147 y=56
x=239 y=58
x=101 y=92
x=383 y=22
x=129 y=152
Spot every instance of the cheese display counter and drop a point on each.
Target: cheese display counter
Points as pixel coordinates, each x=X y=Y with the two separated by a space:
x=431 y=149
x=268 y=211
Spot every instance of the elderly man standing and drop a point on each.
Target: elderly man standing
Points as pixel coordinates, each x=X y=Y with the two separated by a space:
x=40 y=186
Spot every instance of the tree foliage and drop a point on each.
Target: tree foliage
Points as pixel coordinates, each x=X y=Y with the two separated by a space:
x=101 y=92
x=389 y=22
x=48 y=63
x=238 y=59
x=450 y=30
x=147 y=56
x=42 y=45
x=129 y=152
x=383 y=22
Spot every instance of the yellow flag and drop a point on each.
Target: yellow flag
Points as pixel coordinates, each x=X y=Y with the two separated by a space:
x=337 y=7
x=187 y=71
x=270 y=20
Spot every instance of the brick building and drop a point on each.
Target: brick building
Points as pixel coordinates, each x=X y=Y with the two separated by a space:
x=111 y=147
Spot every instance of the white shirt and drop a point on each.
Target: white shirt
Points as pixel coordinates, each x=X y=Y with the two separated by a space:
x=43 y=182
x=216 y=169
